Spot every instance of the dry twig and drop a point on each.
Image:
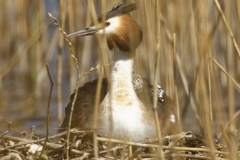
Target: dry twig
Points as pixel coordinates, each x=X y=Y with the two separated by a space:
x=79 y=76
x=48 y=108
x=225 y=72
x=228 y=27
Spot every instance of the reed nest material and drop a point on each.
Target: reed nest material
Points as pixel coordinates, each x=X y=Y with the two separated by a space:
x=185 y=145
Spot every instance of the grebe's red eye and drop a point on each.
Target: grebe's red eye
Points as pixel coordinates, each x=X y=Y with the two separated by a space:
x=107 y=23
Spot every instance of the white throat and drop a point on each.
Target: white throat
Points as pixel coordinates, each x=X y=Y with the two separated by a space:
x=121 y=79
x=122 y=89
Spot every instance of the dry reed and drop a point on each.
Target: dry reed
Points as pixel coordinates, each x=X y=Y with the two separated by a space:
x=198 y=67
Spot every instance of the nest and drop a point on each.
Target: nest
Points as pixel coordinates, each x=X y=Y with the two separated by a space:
x=185 y=145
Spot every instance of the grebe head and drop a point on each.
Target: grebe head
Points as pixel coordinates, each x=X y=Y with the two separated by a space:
x=121 y=29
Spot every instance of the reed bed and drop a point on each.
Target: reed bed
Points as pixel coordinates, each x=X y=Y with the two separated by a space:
x=190 y=48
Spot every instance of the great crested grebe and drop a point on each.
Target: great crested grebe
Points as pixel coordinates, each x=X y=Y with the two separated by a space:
x=131 y=101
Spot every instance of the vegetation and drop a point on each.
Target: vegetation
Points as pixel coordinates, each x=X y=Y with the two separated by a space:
x=193 y=45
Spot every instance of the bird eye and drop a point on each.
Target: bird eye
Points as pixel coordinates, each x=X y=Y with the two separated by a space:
x=107 y=23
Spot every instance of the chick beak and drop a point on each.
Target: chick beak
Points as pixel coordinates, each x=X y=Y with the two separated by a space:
x=84 y=32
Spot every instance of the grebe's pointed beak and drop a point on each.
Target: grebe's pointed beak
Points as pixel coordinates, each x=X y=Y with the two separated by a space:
x=84 y=32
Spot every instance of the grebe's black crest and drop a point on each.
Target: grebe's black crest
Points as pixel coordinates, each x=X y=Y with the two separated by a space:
x=119 y=10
